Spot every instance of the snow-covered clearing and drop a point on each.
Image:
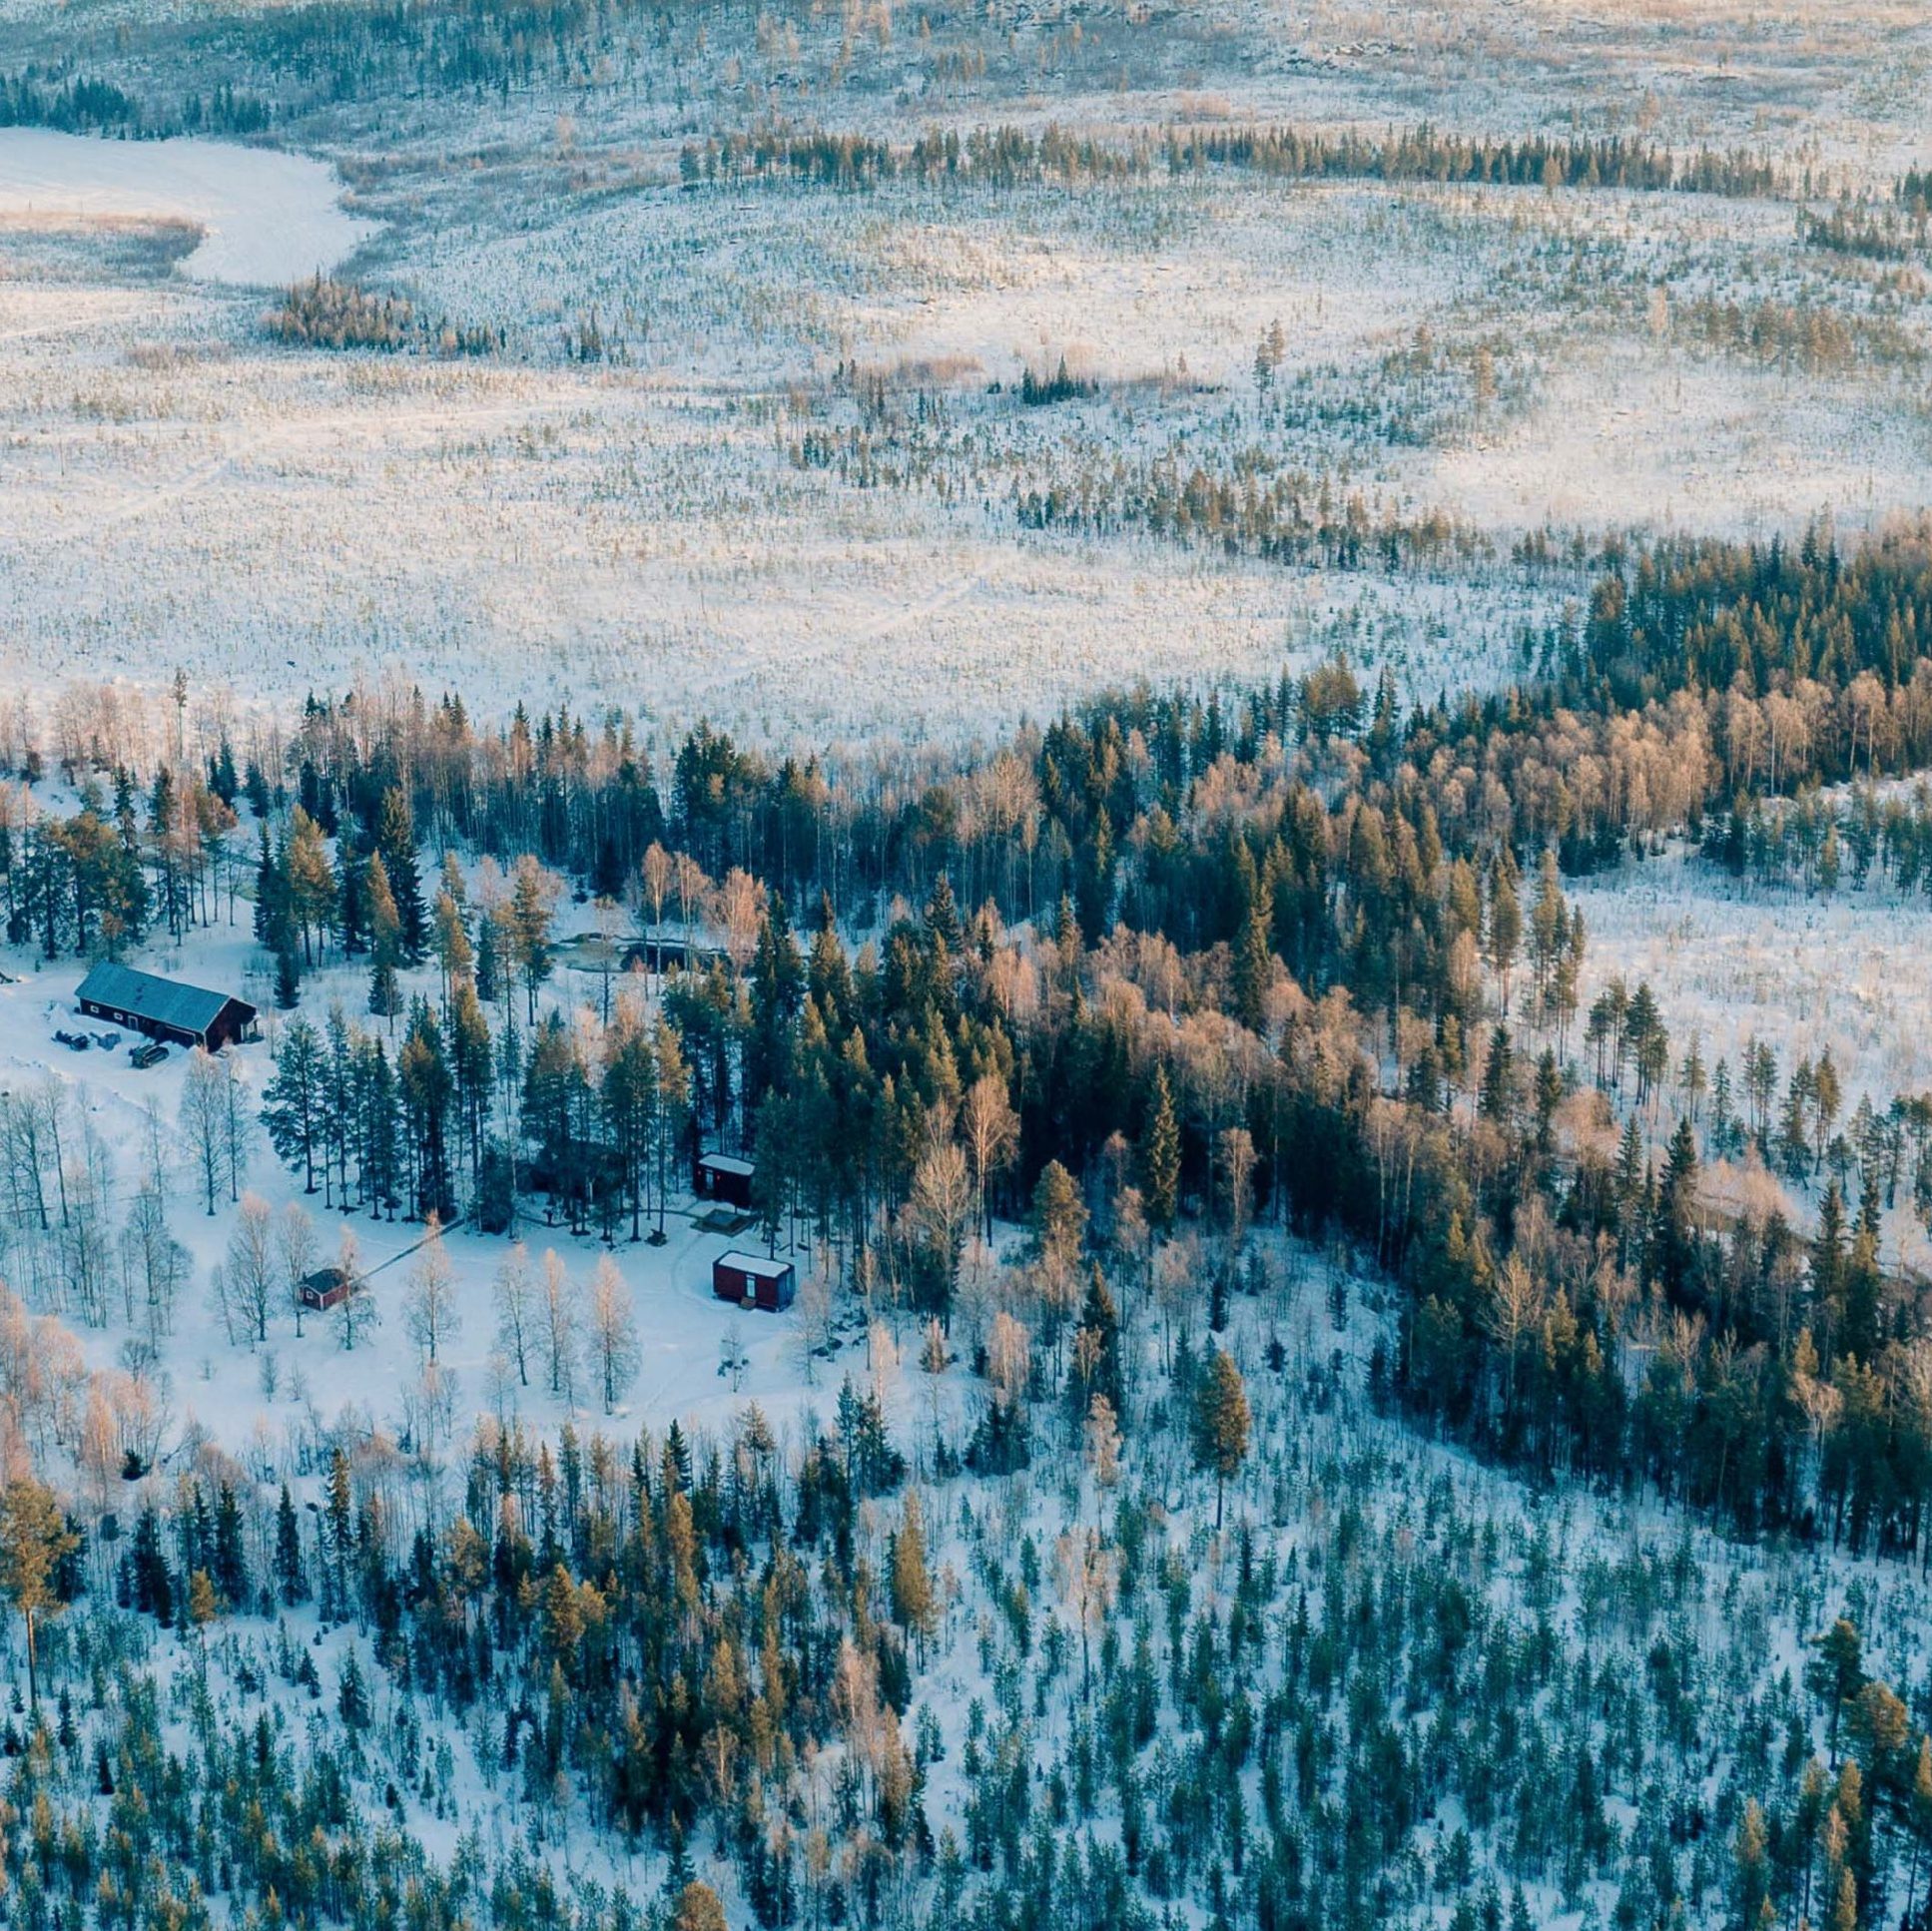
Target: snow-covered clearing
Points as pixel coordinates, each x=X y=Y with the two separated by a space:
x=631 y=531
x=269 y=1407
x=266 y=219
x=1809 y=973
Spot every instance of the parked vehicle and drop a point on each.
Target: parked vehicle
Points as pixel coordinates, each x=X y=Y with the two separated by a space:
x=150 y=1055
x=106 y=1042
x=74 y=1042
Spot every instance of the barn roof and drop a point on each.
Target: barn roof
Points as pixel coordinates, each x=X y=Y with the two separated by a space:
x=191 y=1008
x=756 y=1265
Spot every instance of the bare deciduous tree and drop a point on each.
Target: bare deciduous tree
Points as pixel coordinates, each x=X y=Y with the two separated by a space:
x=430 y=1312
x=991 y=1130
x=613 y=1331
x=204 y=1121
x=296 y=1243
x=516 y=1310
x=356 y=1312
x=252 y=1267
x=557 y=1314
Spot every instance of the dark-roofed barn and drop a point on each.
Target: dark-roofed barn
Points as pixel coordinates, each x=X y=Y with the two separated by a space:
x=163 y=1008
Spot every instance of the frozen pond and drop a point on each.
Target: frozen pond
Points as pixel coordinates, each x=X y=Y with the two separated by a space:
x=266 y=218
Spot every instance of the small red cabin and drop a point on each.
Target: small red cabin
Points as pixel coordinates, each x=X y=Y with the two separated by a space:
x=750 y=1280
x=324 y=1289
x=722 y=1176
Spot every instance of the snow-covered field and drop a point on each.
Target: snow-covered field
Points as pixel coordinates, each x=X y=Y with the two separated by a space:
x=630 y=529
x=266 y=219
x=767 y=454
x=1843 y=972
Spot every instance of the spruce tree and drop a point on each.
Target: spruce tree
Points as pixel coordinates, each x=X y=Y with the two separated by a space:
x=395 y=844
x=1221 y=1422
x=1160 y=1156
x=914 y=1603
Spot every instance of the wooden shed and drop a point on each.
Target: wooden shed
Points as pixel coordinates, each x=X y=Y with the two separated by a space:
x=324 y=1289
x=750 y=1280
x=164 y=1008
x=723 y=1176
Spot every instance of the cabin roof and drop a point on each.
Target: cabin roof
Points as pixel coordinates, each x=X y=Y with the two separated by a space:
x=167 y=1001
x=756 y=1265
x=728 y=1163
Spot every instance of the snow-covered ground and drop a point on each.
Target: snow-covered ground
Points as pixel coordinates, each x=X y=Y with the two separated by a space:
x=266 y=219
x=268 y=1405
x=1806 y=972
x=179 y=490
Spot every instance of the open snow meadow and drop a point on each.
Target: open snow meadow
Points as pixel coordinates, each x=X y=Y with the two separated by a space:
x=966 y=966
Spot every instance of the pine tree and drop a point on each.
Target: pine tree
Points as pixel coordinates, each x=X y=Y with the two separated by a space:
x=529 y=930
x=1505 y=933
x=287 y=980
x=396 y=846
x=942 y=918
x=914 y=1603
x=1838 y=1674
x=1498 y=1102
x=353 y=1699
x=34 y=1542
x=1254 y=968
x=338 y=1531
x=454 y=954
x=427 y=1087
x=1221 y=1422
x=291 y=1574
x=309 y=881
x=230 y=1571
x=385 y=941
x=1676 y=1232
x=1549 y=927
x=274 y=928
x=291 y=1102
x=1160 y=1156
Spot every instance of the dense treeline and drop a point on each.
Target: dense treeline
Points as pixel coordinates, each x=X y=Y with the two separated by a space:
x=1848 y=230
x=74 y=105
x=1001 y=157
x=79 y=104
x=1799 y=334
x=1010 y=157
x=1701 y=674
x=324 y=313
x=1425 y=153
x=1817 y=843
